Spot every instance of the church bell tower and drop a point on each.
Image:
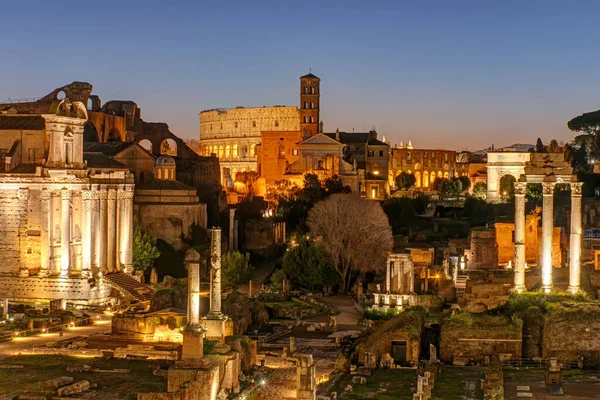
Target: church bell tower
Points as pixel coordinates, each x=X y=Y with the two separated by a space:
x=309 y=105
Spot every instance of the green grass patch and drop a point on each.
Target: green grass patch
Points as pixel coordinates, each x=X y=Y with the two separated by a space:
x=37 y=369
x=386 y=384
x=458 y=383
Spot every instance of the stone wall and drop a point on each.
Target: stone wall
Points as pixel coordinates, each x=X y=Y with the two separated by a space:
x=13 y=216
x=144 y=325
x=483 y=254
x=75 y=290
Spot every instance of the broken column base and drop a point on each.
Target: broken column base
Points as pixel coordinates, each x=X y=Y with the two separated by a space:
x=217 y=328
x=192 y=354
x=201 y=383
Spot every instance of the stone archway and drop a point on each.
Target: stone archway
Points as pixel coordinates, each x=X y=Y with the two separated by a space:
x=506 y=186
x=114 y=136
x=90 y=133
x=169 y=147
x=146 y=144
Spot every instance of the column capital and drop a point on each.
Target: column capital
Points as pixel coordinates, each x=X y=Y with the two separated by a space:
x=520 y=188
x=86 y=194
x=120 y=193
x=112 y=194
x=127 y=194
x=102 y=194
x=548 y=188
x=65 y=194
x=45 y=194
x=576 y=188
x=23 y=194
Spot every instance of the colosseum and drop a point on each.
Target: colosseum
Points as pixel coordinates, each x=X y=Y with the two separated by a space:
x=232 y=134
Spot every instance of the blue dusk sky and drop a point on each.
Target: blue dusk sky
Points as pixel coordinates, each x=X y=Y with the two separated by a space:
x=453 y=74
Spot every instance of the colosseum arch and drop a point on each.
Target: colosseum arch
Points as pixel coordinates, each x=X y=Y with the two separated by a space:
x=114 y=136
x=169 y=147
x=146 y=144
x=90 y=133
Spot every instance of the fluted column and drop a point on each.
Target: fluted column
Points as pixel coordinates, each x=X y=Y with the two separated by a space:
x=65 y=230
x=102 y=233
x=111 y=245
x=215 y=273
x=86 y=233
x=194 y=294
x=575 y=243
x=520 y=189
x=547 y=233
x=45 y=233
x=387 y=276
x=126 y=229
x=95 y=211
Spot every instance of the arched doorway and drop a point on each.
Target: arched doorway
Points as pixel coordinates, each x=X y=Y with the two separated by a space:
x=506 y=187
x=90 y=133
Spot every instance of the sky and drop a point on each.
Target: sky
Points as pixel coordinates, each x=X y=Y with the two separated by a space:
x=460 y=75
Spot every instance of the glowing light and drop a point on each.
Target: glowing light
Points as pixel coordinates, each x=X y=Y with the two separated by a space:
x=375 y=172
x=263 y=382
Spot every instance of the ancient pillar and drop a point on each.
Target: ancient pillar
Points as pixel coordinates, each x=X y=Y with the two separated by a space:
x=292 y=344
x=95 y=211
x=102 y=229
x=231 y=229
x=118 y=218
x=520 y=190
x=306 y=387
x=388 y=277
x=86 y=234
x=575 y=243
x=215 y=273
x=5 y=309
x=193 y=267
x=65 y=232
x=45 y=232
x=127 y=231
x=547 y=231
x=111 y=227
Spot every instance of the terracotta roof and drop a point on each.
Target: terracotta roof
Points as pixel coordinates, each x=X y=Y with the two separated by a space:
x=21 y=122
x=354 y=137
x=99 y=160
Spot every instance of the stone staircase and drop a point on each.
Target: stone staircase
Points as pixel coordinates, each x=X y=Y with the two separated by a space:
x=461 y=284
x=129 y=288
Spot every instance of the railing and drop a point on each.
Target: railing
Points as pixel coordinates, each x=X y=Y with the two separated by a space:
x=23 y=100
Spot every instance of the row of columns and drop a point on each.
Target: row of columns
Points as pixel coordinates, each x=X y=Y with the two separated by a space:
x=106 y=230
x=547 y=236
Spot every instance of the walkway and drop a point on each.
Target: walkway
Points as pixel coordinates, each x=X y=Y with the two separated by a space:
x=348 y=314
x=21 y=344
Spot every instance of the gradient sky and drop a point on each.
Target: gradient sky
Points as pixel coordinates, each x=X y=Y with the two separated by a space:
x=454 y=74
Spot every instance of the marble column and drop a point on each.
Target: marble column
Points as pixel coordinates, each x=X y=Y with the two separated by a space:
x=65 y=232
x=388 y=277
x=118 y=218
x=102 y=233
x=45 y=233
x=111 y=246
x=95 y=211
x=127 y=230
x=547 y=233
x=5 y=308
x=520 y=190
x=86 y=234
x=193 y=294
x=215 y=273
x=575 y=242
x=231 y=229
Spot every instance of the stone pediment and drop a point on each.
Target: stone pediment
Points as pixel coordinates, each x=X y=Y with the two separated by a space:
x=320 y=139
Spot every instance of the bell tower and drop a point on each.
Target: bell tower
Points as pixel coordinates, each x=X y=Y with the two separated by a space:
x=309 y=105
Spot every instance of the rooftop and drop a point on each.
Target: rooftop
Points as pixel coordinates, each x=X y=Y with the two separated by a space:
x=99 y=160
x=22 y=122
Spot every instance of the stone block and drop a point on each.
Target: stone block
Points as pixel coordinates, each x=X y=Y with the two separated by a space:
x=460 y=361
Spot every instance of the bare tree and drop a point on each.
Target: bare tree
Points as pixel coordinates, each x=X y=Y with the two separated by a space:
x=354 y=232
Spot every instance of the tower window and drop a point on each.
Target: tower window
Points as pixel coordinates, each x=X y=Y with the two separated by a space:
x=312 y=90
x=312 y=104
x=306 y=104
x=305 y=119
x=306 y=89
x=312 y=119
x=380 y=153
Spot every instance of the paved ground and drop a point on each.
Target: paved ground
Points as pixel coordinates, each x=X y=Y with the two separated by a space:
x=348 y=314
x=25 y=344
x=577 y=384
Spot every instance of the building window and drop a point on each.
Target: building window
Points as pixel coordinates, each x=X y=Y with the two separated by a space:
x=312 y=119
x=306 y=104
x=234 y=152
x=276 y=122
x=221 y=126
x=306 y=89
x=320 y=164
x=445 y=156
x=312 y=104
x=294 y=152
x=371 y=153
x=253 y=150
x=380 y=153
x=425 y=155
x=254 y=124
x=220 y=152
x=408 y=157
x=228 y=150
x=29 y=249
x=305 y=119
x=312 y=90
x=236 y=124
x=374 y=192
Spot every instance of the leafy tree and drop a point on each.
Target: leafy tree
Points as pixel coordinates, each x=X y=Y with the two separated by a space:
x=480 y=190
x=400 y=212
x=354 y=232
x=308 y=265
x=465 y=183
x=539 y=146
x=507 y=186
x=280 y=191
x=334 y=185
x=450 y=187
x=236 y=270
x=553 y=147
x=587 y=122
x=439 y=183
x=145 y=251
x=312 y=191
x=535 y=192
x=405 y=180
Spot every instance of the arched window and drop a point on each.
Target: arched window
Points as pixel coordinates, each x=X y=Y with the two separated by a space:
x=159 y=173
x=425 y=179
x=305 y=119
x=227 y=151
x=417 y=179
x=312 y=119
x=253 y=150
x=234 y=153
x=306 y=104
x=306 y=89
x=440 y=174
x=446 y=175
x=68 y=143
x=312 y=90
x=312 y=104
x=220 y=152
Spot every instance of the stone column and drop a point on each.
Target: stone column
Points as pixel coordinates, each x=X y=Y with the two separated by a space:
x=231 y=229
x=193 y=292
x=45 y=233
x=65 y=232
x=95 y=211
x=86 y=234
x=128 y=230
x=111 y=223
x=575 y=243
x=5 y=309
x=215 y=273
x=388 y=278
x=547 y=231
x=306 y=384
x=520 y=190
x=102 y=229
